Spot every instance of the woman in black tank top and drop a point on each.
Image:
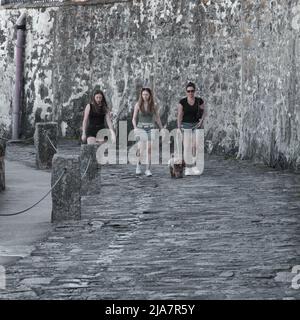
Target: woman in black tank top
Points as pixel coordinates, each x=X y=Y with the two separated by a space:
x=95 y=115
x=190 y=116
x=191 y=113
x=190 y=110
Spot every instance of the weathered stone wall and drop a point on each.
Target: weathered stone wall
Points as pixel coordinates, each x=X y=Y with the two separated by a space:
x=2 y=165
x=38 y=61
x=122 y=46
x=270 y=127
x=241 y=54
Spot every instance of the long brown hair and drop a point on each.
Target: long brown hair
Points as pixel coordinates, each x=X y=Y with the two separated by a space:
x=98 y=108
x=151 y=101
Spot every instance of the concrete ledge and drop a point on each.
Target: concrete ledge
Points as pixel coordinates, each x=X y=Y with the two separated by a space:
x=19 y=233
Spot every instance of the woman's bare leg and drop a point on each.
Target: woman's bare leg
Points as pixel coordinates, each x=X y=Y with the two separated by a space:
x=188 y=148
x=148 y=160
x=194 y=144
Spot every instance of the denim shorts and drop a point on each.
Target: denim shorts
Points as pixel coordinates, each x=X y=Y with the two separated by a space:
x=147 y=128
x=188 y=125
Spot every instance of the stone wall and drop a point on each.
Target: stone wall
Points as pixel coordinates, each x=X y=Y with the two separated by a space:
x=241 y=54
x=2 y=165
x=270 y=117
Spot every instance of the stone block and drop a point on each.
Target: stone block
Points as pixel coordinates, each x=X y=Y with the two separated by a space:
x=45 y=141
x=66 y=198
x=89 y=168
x=297 y=165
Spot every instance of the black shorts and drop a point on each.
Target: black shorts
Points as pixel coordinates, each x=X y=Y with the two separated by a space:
x=92 y=131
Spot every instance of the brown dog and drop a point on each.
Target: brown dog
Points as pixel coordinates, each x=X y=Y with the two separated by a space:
x=176 y=167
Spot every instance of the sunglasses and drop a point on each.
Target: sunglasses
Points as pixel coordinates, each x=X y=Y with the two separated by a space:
x=189 y=91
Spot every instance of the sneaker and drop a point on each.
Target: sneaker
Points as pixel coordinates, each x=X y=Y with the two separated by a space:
x=196 y=171
x=148 y=173
x=138 y=170
x=188 y=172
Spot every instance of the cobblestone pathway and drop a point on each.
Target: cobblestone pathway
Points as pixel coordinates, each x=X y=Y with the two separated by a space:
x=232 y=233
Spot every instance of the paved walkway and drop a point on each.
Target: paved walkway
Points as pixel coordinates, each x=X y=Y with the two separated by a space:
x=24 y=187
x=232 y=233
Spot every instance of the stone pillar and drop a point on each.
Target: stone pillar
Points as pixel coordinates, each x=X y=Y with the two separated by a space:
x=66 y=199
x=2 y=165
x=89 y=169
x=45 y=150
x=297 y=165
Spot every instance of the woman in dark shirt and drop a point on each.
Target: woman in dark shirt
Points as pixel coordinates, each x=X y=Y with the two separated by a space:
x=191 y=116
x=95 y=115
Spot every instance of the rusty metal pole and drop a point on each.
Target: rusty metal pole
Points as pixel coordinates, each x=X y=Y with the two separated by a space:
x=21 y=27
